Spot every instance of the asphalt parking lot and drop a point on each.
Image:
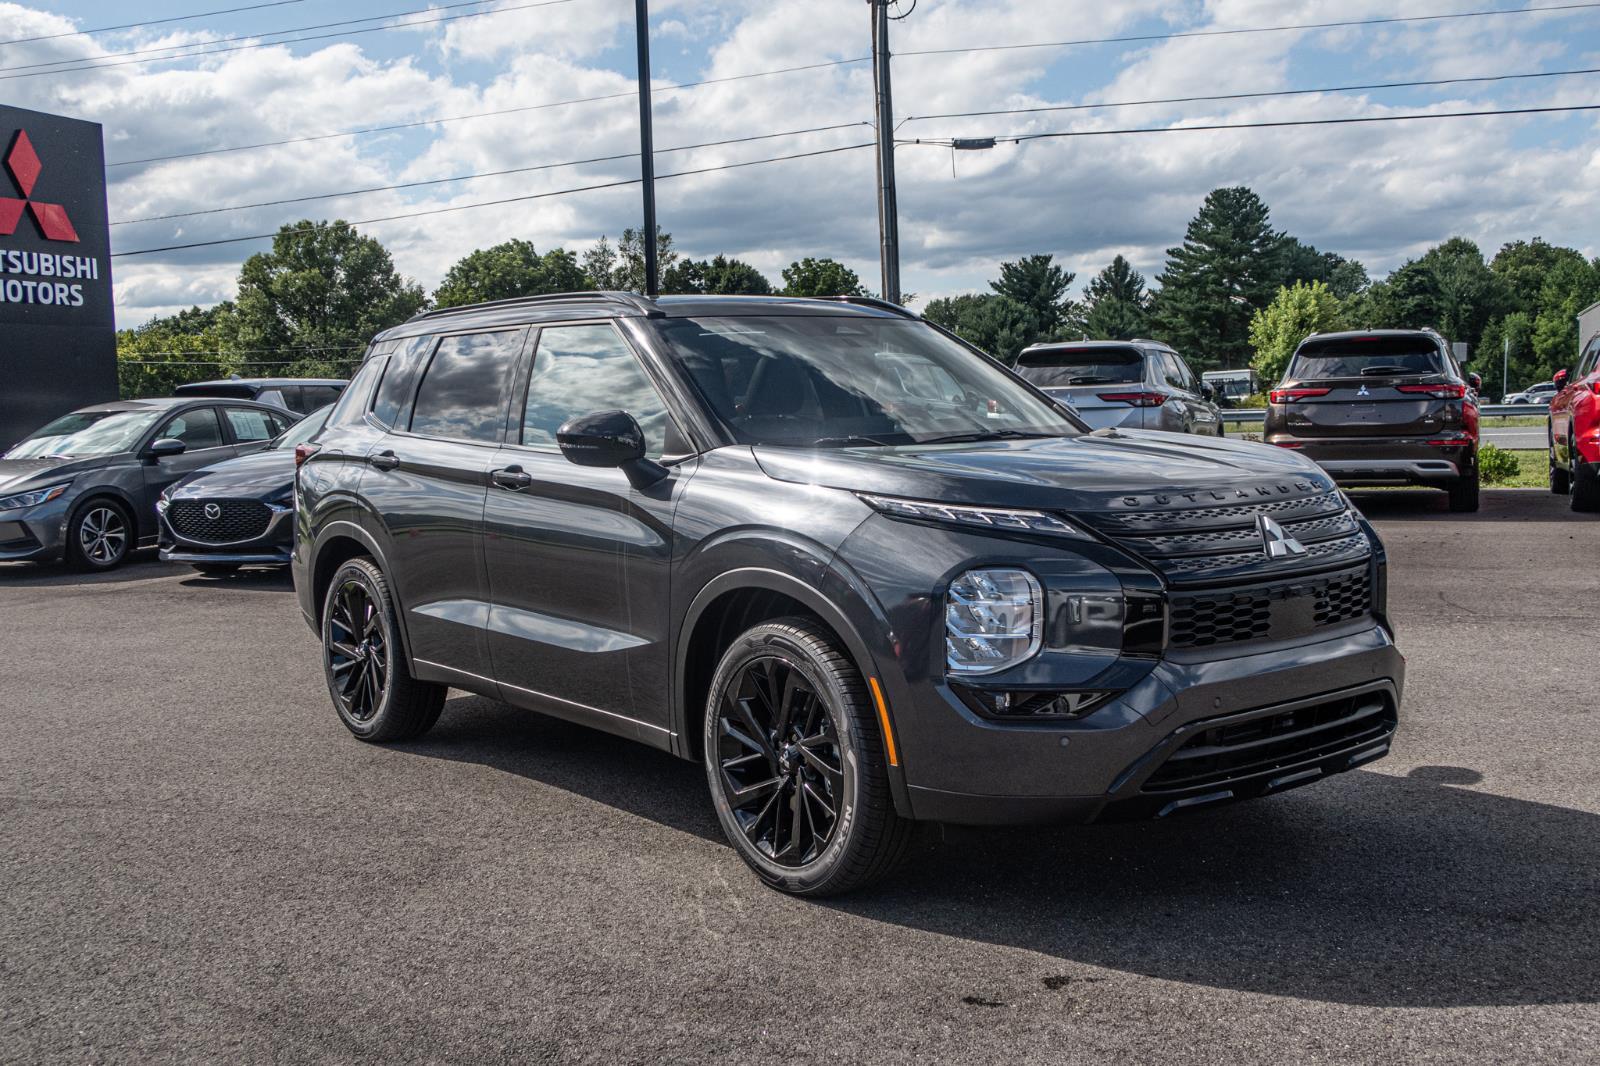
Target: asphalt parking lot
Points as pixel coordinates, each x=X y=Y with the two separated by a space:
x=202 y=865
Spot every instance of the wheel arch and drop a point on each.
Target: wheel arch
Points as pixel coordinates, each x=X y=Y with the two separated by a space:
x=338 y=542
x=117 y=495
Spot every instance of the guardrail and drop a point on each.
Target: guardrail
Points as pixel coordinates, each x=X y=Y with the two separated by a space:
x=1258 y=415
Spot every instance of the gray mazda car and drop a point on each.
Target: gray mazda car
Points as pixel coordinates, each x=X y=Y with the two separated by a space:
x=83 y=488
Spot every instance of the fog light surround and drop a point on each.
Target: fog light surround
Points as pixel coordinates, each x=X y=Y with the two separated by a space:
x=1030 y=706
x=994 y=619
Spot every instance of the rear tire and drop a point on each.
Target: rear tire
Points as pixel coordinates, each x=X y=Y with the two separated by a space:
x=795 y=761
x=1560 y=477
x=1464 y=494
x=368 y=676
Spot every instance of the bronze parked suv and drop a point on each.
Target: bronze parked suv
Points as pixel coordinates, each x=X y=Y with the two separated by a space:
x=1381 y=407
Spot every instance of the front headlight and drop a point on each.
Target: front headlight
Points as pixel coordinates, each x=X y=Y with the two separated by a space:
x=34 y=497
x=993 y=619
x=983 y=517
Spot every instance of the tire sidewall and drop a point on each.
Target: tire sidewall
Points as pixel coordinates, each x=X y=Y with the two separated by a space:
x=768 y=641
x=74 y=547
x=371 y=579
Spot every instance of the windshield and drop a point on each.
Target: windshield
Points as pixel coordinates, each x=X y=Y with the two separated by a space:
x=1061 y=367
x=1365 y=357
x=87 y=433
x=303 y=430
x=839 y=381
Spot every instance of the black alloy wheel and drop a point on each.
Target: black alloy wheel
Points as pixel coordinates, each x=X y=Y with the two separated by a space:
x=365 y=664
x=99 y=536
x=357 y=650
x=782 y=768
x=797 y=762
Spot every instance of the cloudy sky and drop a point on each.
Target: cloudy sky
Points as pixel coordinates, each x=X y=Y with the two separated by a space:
x=1379 y=192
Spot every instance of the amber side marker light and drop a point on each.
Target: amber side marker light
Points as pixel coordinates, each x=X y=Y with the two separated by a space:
x=883 y=720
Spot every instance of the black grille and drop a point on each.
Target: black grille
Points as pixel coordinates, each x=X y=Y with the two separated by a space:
x=1280 y=610
x=1223 y=545
x=236 y=520
x=1246 y=757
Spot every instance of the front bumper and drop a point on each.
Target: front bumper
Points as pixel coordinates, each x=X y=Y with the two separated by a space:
x=964 y=769
x=1383 y=461
x=35 y=533
x=272 y=547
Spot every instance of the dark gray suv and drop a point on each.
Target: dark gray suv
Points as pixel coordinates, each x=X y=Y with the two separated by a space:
x=858 y=570
x=1134 y=384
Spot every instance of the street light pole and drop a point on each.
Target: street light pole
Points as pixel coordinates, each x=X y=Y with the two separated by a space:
x=888 y=210
x=647 y=154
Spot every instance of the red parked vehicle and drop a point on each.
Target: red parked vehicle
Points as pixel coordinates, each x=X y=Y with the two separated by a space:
x=1575 y=431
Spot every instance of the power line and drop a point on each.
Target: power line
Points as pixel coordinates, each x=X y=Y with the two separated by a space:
x=510 y=199
x=628 y=95
x=486 y=174
x=945 y=142
x=1255 y=95
x=1344 y=23
x=96 y=64
x=149 y=22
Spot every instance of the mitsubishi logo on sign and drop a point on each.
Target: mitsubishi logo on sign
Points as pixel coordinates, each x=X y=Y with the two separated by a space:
x=23 y=163
x=1275 y=540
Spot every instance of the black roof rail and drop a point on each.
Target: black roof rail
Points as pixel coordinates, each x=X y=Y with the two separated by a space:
x=643 y=304
x=882 y=305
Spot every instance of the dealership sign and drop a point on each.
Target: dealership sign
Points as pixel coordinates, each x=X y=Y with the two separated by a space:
x=57 y=329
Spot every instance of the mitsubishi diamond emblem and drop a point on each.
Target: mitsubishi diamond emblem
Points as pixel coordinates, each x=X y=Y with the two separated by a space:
x=1275 y=542
x=1364 y=391
x=214 y=512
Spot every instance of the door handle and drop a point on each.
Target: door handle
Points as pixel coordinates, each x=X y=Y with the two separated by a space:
x=385 y=460
x=513 y=478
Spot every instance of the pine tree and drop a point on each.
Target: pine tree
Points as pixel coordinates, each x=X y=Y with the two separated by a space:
x=1035 y=282
x=1117 y=306
x=1227 y=268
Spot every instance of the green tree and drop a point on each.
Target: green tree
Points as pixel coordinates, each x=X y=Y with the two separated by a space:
x=1505 y=356
x=821 y=277
x=1569 y=288
x=1277 y=330
x=721 y=277
x=320 y=293
x=1523 y=266
x=1227 y=268
x=600 y=265
x=511 y=268
x=629 y=274
x=1116 y=306
x=192 y=345
x=1468 y=293
x=998 y=324
x=1038 y=284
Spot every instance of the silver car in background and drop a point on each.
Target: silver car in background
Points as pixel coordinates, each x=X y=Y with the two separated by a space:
x=1135 y=384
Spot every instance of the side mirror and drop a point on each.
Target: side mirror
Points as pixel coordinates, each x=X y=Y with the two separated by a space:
x=1476 y=381
x=1561 y=379
x=609 y=438
x=164 y=447
x=1209 y=391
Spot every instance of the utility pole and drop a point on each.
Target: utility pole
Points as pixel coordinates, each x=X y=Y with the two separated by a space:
x=888 y=210
x=1505 y=369
x=647 y=151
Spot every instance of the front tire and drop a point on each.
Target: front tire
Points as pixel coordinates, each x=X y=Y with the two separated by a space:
x=796 y=764
x=99 y=536
x=369 y=679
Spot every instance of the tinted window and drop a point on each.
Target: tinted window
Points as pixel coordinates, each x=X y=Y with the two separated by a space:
x=579 y=370
x=353 y=401
x=197 y=429
x=394 y=391
x=1365 y=356
x=1060 y=367
x=304 y=430
x=274 y=396
x=250 y=425
x=86 y=433
x=315 y=396
x=852 y=381
x=463 y=391
x=1171 y=371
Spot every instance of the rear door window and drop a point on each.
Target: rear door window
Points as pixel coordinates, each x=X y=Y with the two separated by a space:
x=250 y=425
x=316 y=397
x=463 y=393
x=1064 y=367
x=197 y=429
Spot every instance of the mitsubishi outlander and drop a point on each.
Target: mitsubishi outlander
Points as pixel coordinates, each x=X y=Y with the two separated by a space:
x=858 y=570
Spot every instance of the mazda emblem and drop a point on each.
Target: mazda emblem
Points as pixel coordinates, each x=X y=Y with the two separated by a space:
x=214 y=512
x=1275 y=541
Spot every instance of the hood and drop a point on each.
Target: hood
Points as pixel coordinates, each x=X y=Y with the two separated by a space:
x=17 y=474
x=1090 y=473
x=259 y=474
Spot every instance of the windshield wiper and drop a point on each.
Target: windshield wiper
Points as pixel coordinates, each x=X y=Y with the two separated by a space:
x=1384 y=370
x=851 y=440
x=987 y=434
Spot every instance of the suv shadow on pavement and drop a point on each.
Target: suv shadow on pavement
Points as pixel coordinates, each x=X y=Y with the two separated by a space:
x=1497 y=505
x=1374 y=890
x=141 y=565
